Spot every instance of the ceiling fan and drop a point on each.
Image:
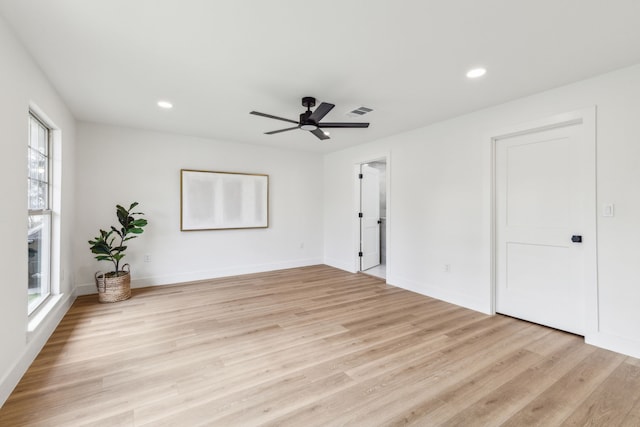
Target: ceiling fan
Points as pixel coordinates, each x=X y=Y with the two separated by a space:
x=310 y=120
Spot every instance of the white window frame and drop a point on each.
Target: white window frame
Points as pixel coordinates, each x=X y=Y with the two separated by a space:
x=46 y=212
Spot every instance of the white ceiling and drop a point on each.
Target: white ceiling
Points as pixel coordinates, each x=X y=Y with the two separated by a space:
x=112 y=60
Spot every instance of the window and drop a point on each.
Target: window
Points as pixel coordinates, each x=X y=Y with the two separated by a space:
x=39 y=205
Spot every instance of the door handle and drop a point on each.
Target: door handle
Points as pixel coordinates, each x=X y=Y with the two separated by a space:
x=576 y=239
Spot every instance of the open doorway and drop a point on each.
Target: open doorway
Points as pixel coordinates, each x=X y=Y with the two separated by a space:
x=373 y=218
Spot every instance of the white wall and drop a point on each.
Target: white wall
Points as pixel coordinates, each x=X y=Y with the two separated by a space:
x=23 y=85
x=439 y=201
x=120 y=165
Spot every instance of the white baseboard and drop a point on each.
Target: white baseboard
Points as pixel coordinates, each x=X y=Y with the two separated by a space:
x=437 y=292
x=171 y=279
x=332 y=262
x=599 y=339
x=614 y=343
x=36 y=339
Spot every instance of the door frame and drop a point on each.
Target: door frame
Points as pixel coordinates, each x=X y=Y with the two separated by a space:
x=386 y=157
x=587 y=119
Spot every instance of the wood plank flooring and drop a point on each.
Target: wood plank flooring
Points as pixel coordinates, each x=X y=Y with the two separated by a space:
x=314 y=346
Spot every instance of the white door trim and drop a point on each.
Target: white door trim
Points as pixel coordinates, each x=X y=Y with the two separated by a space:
x=587 y=118
x=386 y=157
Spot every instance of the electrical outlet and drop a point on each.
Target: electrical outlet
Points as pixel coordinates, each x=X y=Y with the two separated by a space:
x=302 y=245
x=447 y=268
x=147 y=258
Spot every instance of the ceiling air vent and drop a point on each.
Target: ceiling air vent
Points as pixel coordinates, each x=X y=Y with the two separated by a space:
x=360 y=111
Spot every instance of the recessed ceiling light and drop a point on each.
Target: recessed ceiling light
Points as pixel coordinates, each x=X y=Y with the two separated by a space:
x=165 y=104
x=476 y=72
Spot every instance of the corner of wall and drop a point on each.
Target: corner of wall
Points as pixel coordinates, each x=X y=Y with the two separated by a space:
x=336 y=263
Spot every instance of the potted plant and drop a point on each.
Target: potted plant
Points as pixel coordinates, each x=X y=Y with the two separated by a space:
x=110 y=246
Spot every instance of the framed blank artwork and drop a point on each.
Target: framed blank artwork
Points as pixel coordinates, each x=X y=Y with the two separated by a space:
x=223 y=200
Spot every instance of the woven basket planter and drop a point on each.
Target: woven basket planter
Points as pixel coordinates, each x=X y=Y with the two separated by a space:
x=113 y=288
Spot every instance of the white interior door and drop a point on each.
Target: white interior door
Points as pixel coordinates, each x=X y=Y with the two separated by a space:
x=543 y=198
x=369 y=223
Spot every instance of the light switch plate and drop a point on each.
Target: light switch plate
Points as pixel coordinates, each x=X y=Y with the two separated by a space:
x=607 y=210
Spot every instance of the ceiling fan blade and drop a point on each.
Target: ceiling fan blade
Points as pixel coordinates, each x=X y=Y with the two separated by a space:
x=322 y=110
x=272 y=117
x=343 y=125
x=320 y=134
x=280 y=130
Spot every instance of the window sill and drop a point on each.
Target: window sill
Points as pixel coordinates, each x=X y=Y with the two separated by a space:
x=47 y=307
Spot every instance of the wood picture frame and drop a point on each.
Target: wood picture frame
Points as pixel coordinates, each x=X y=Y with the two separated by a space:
x=212 y=200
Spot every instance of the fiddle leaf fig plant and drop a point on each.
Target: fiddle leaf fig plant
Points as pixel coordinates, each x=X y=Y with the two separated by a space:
x=109 y=245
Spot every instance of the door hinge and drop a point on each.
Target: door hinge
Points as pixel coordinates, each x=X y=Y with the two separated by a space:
x=359 y=254
x=360 y=215
x=360 y=176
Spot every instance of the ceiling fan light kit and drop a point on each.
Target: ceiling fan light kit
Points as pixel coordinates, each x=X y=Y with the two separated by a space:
x=310 y=120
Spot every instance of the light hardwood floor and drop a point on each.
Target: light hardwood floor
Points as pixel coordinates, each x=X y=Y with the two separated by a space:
x=314 y=346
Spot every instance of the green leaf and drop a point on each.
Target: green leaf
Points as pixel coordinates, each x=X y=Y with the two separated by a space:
x=115 y=230
x=101 y=248
x=122 y=214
